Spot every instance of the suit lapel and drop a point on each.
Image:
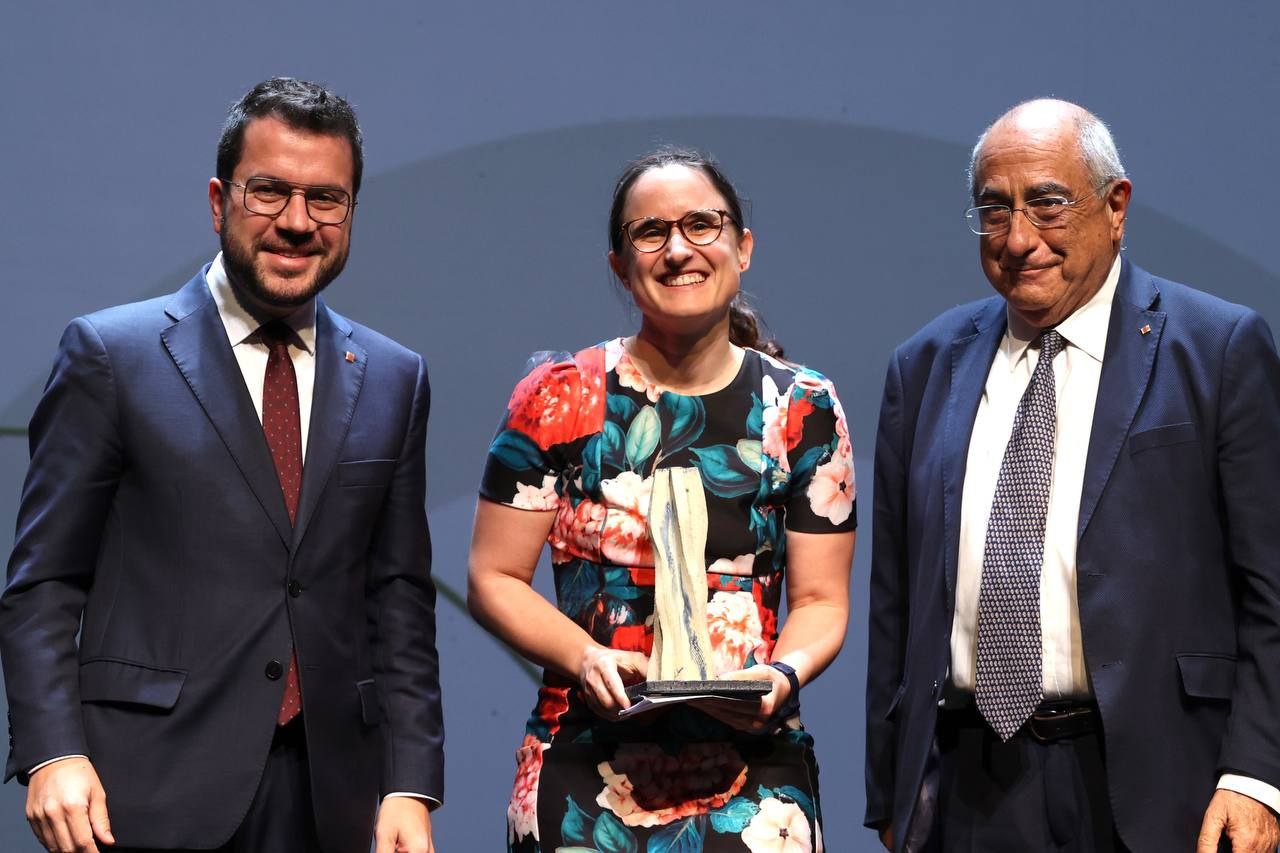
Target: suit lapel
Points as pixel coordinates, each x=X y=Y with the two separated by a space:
x=197 y=343
x=337 y=387
x=1126 y=370
x=970 y=363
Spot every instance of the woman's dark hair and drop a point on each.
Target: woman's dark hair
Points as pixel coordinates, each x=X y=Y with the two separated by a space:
x=746 y=327
x=299 y=104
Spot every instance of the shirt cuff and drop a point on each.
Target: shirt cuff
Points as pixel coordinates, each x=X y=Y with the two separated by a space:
x=432 y=802
x=1266 y=794
x=51 y=760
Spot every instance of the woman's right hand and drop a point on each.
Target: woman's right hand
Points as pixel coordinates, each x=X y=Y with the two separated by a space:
x=604 y=675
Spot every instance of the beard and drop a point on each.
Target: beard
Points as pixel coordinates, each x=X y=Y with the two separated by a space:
x=244 y=271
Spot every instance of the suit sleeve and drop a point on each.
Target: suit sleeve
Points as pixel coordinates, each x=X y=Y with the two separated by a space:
x=76 y=464
x=887 y=616
x=1249 y=469
x=401 y=600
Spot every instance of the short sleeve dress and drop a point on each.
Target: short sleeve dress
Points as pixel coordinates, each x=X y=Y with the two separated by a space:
x=582 y=436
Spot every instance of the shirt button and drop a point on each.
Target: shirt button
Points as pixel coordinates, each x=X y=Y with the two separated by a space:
x=295 y=589
x=274 y=670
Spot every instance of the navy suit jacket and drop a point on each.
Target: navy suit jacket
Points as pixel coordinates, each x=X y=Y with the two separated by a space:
x=1177 y=566
x=152 y=523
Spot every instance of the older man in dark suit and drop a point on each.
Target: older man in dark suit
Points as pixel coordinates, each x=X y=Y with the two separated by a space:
x=1075 y=593
x=218 y=630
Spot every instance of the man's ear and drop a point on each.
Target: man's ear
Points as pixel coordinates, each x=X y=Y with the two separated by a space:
x=217 y=205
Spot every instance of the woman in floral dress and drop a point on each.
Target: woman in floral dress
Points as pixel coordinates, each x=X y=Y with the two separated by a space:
x=573 y=465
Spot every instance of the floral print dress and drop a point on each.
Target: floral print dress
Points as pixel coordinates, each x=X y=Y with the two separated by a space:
x=581 y=437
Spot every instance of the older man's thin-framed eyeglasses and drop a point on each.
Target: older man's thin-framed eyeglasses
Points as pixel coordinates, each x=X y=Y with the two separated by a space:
x=270 y=196
x=699 y=227
x=1048 y=211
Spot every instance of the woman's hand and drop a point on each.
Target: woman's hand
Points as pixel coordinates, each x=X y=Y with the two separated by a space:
x=604 y=675
x=744 y=715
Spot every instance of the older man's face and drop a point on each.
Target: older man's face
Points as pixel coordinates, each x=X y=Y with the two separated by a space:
x=1047 y=273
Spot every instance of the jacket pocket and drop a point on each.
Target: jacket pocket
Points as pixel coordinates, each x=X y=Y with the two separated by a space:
x=370 y=710
x=369 y=472
x=114 y=680
x=1208 y=676
x=1161 y=436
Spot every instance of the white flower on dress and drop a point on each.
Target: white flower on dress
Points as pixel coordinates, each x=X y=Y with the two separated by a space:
x=831 y=491
x=778 y=828
x=624 y=539
x=740 y=565
x=629 y=377
x=774 y=441
x=542 y=497
x=733 y=623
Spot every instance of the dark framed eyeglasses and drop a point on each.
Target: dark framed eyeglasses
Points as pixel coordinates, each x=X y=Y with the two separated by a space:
x=1048 y=211
x=269 y=197
x=699 y=227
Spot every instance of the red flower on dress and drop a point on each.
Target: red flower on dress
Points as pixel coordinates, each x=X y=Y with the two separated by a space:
x=796 y=413
x=522 y=809
x=644 y=785
x=559 y=402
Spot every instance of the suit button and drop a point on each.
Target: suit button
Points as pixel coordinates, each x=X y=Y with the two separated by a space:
x=295 y=589
x=274 y=670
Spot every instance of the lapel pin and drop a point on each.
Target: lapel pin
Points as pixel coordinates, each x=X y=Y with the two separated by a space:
x=351 y=357
x=1144 y=330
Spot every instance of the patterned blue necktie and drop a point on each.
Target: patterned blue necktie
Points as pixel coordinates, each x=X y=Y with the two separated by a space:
x=1010 y=677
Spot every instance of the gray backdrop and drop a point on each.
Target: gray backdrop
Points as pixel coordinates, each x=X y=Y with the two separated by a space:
x=494 y=132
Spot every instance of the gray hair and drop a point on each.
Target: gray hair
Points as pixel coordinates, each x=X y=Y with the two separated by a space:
x=1097 y=150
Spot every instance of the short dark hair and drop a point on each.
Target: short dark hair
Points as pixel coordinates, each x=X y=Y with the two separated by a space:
x=299 y=104
x=746 y=327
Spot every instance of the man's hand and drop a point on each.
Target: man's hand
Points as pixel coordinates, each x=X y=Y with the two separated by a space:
x=67 y=807
x=1251 y=826
x=886 y=837
x=404 y=826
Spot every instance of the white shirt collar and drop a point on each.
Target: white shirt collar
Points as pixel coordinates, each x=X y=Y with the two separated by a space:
x=241 y=325
x=1085 y=329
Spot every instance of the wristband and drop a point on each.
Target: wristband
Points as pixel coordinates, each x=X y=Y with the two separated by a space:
x=792 y=706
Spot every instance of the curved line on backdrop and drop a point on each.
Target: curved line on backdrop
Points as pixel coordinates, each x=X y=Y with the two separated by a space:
x=447 y=592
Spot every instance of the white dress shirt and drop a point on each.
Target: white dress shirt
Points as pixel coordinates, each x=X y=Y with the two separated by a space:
x=251 y=354
x=1076 y=372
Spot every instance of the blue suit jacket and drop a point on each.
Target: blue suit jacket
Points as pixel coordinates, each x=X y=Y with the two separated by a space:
x=152 y=511
x=1178 y=561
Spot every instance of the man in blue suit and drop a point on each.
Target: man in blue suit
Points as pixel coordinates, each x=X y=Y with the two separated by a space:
x=218 y=629
x=1075 y=592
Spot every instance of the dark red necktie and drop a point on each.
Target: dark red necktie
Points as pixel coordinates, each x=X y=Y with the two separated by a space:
x=282 y=424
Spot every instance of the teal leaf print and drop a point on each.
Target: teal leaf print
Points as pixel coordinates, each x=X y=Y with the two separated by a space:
x=621 y=408
x=577 y=583
x=684 y=836
x=642 y=437
x=800 y=798
x=751 y=452
x=802 y=470
x=723 y=472
x=618 y=583
x=611 y=836
x=591 y=464
x=613 y=447
x=576 y=850
x=734 y=815
x=755 y=420
x=516 y=451
x=684 y=419
x=577 y=824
